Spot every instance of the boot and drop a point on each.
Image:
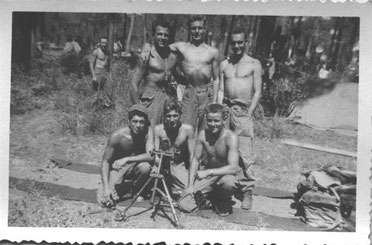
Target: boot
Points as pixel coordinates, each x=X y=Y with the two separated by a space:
x=247 y=200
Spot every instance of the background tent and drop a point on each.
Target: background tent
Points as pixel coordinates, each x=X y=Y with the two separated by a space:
x=336 y=110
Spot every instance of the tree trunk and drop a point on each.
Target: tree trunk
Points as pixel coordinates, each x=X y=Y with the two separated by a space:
x=129 y=38
x=124 y=40
x=256 y=32
x=144 y=29
x=222 y=33
x=111 y=19
x=172 y=36
x=226 y=53
x=335 y=44
x=265 y=35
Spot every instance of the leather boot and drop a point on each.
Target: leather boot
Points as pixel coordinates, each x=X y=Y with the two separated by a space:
x=247 y=200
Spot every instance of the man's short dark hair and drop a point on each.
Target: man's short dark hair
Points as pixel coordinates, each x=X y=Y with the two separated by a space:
x=196 y=18
x=216 y=108
x=69 y=38
x=161 y=22
x=172 y=105
x=131 y=114
x=238 y=30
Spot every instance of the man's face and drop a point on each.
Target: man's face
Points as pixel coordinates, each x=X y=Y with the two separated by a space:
x=137 y=124
x=197 y=30
x=215 y=122
x=172 y=119
x=238 y=43
x=161 y=36
x=103 y=43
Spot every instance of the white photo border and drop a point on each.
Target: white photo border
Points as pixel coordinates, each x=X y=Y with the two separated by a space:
x=277 y=8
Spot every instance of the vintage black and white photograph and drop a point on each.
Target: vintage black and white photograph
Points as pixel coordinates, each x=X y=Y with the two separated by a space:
x=200 y=121
x=222 y=122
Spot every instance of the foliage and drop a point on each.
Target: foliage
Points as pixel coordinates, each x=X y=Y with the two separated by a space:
x=28 y=87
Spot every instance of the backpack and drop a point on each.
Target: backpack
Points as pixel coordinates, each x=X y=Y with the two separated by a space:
x=317 y=202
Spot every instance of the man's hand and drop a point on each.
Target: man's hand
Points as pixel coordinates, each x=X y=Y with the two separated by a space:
x=145 y=52
x=106 y=199
x=120 y=163
x=203 y=174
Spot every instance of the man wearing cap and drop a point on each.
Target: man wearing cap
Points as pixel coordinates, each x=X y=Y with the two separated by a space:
x=98 y=65
x=156 y=67
x=127 y=157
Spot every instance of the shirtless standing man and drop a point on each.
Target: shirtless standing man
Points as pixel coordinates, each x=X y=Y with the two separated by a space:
x=199 y=72
x=181 y=142
x=98 y=65
x=240 y=89
x=156 y=68
x=222 y=174
x=127 y=156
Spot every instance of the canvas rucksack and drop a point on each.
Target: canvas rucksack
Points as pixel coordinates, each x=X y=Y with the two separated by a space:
x=317 y=202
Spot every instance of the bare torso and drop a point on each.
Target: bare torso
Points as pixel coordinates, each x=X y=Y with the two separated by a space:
x=179 y=142
x=100 y=58
x=158 y=69
x=126 y=145
x=239 y=78
x=197 y=63
x=217 y=150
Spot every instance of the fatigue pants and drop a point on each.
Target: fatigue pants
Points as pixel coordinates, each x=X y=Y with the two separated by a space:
x=241 y=124
x=179 y=177
x=154 y=99
x=194 y=103
x=222 y=186
x=130 y=178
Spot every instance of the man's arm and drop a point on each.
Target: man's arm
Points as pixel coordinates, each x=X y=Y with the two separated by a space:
x=190 y=142
x=221 y=87
x=136 y=79
x=144 y=157
x=257 y=85
x=232 y=161
x=194 y=166
x=105 y=166
x=215 y=74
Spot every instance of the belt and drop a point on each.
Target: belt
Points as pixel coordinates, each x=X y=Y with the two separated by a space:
x=201 y=89
x=230 y=102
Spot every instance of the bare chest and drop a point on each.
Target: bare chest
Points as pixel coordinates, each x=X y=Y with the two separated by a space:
x=217 y=150
x=178 y=140
x=157 y=64
x=243 y=70
x=197 y=55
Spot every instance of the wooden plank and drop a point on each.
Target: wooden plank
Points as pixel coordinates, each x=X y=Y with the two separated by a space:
x=318 y=148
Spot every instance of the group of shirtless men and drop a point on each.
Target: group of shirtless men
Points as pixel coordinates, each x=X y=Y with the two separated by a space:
x=210 y=131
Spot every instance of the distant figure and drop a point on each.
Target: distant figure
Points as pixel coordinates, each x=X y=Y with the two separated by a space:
x=199 y=73
x=156 y=69
x=118 y=47
x=240 y=90
x=127 y=157
x=98 y=65
x=70 y=57
x=71 y=46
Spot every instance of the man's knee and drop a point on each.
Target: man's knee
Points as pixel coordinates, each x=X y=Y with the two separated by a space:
x=228 y=183
x=187 y=204
x=143 y=168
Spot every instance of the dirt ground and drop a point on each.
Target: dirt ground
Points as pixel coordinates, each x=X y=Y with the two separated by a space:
x=37 y=136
